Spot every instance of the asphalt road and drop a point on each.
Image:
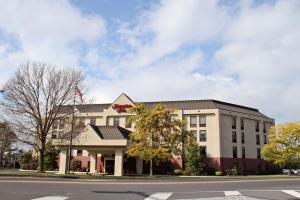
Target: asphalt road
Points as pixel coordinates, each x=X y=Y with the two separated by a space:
x=17 y=188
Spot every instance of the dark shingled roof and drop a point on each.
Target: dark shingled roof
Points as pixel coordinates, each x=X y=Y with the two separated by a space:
x=111 y=132
x=183 y=104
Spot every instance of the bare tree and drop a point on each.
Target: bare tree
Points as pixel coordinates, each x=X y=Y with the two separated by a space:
x=33 y=98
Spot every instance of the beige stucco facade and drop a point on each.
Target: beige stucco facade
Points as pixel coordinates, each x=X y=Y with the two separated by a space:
x=214 y=133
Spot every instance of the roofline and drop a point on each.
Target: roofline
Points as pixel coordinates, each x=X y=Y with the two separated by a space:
x=176 y=101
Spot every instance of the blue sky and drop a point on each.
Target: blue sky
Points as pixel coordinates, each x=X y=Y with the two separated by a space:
x=244 y=52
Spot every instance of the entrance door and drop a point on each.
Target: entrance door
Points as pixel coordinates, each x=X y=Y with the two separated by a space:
x=110 y=166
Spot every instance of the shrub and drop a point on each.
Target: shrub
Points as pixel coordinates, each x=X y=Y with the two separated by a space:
x=232 y=172
x=219 y=173
x=195 y=163
x=179 y=171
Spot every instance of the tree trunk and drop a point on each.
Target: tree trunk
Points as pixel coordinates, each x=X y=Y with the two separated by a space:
x=151 y=167
x=41 y=159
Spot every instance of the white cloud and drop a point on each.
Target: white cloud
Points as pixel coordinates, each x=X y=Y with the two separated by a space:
x=51 y=31
x=256 y=65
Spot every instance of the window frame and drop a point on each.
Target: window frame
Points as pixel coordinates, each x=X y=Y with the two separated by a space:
x=233 y=122
x=193 y=125
x=234 y=152
x=234 y=137
x=202 y=132
x=200 y=122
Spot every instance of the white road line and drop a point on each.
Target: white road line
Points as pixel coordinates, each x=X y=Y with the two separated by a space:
x=292 y=193
x=159 y=196
x=232 y=193
x=52 y=198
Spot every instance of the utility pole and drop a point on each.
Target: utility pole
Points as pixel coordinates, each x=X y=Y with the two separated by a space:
x=72 y=132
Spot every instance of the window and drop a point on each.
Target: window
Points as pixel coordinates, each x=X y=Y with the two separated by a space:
x=194 y=134
x=265 y=139
x=242 y=124
x=258 y=153
x=55 y=124
x=127 y=123
x=257 y=139
x=234 y=136
x=54 y=134
x=243 y=152
x=234 y=152
x=203 y=151
x=202 y=136
x=61 y=124
x=233 y=122
x=243 y=137
x=264 y=127
x=257 y=126
x=60 y=133
x=193 y=121
x=93 y=121
x=202 y=121
x=79 y=152
x=81 y=121
x=116 y=121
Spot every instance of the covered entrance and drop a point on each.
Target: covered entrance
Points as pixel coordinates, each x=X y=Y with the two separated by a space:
x=108 y=142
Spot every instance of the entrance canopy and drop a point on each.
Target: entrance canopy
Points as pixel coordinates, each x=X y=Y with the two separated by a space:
x=96 y=136
x=95 y=139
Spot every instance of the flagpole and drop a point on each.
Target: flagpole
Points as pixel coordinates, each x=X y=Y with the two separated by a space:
x=72 y=132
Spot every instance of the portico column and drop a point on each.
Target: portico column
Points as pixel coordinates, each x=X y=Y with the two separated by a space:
x=118 y=162
x=139 y=166
x=93 y=160
x=63 y=161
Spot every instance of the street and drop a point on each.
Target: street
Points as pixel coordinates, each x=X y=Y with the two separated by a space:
x=13 y=188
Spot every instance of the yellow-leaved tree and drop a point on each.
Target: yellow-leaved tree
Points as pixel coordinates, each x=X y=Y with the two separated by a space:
x=156 y=136
x=284 y=145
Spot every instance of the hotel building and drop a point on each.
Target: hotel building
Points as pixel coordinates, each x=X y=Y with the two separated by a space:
x=229 y=135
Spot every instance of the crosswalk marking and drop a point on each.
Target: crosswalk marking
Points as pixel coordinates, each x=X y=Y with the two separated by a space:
x=51 y=198
x=292 y=193
x=232 y=193
x=159 y=196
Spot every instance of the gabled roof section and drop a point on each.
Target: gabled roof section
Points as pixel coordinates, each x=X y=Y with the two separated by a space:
x=111 y=132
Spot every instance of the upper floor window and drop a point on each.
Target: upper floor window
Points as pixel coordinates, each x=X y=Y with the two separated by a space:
x=55 y=124
x=202 y=121
x=234 y=152
x=93 y=121
x=258 y=153
x=203 y=152
x=257 y=126
x=81 y=121
x=61 y=123
x=264 y=127
x=242 y=124
x=234 y=136
x=243 y=152
x=79 y=152
x=54 y=134
x=257 y=139
x=233 y=122
x=202 y=136
x=265 y=139
x=194 y=134
x=193 y=121
x=127 y=123
x=116 y=121
x=243 y=137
